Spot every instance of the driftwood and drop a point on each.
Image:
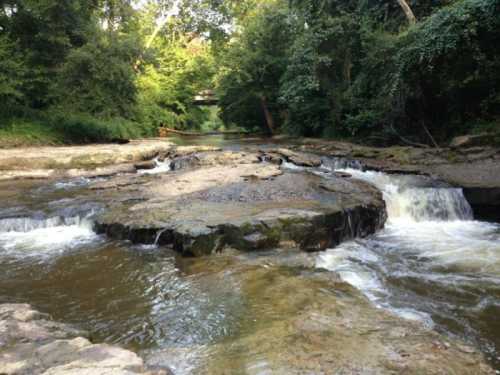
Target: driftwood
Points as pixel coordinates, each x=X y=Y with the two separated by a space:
x=165 y=132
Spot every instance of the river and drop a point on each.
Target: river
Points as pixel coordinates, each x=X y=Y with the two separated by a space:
x=432 y=263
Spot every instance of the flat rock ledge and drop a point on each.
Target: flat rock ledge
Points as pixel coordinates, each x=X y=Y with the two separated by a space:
x=467 y=164
x=232 y=200
x=31 y=343
x=87 y=161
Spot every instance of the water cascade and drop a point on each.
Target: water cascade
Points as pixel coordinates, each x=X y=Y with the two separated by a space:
x=432 y=262
x=161 y=167
x=44 y=236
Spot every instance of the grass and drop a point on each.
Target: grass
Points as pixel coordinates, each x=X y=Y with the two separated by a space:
x=60 y=129
x=20 y=133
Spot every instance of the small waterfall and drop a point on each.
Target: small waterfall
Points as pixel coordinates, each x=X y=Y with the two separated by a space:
x=416 y=198
x=26 y=224
x=432 y=262
x=161 y=167
x=334 y=164
x=429 y=204
x=24 y=236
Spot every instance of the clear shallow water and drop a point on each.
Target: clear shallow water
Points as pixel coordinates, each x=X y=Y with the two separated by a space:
x=141 y=297
x=432 y=262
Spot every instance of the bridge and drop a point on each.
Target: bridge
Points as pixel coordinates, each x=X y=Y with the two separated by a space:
x=206 y=98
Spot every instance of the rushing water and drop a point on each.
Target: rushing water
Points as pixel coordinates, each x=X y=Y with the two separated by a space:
x=160 y=167
x=432 y=262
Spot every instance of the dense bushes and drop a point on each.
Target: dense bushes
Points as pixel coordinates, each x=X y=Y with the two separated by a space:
x=53 y=129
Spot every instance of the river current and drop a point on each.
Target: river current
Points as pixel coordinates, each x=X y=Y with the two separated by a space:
x=432 y=263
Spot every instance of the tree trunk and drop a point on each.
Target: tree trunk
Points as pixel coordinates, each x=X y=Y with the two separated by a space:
x=408 y=12
x=267 y=114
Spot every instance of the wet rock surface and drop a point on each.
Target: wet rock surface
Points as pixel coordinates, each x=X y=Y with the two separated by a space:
x=231 y=199
x=31 y=343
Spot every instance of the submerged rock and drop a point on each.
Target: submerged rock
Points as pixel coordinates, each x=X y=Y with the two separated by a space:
x=31 y=343
x=233 y=201
x=297 y=320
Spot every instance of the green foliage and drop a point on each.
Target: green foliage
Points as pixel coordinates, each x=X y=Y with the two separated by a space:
x=449 y=66
x=182 y=69
x=252 y=66
x=93 y=70
x=100 y=69
x=99 y=79
x=12 y=70
x=357 y=69
x=61 y=128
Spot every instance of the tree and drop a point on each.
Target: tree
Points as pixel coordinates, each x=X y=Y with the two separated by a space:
x=99 y=78
x=407 y=11
x=12 y=71
x=252 y=66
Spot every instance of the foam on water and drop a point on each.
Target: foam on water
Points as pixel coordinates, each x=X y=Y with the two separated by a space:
x=161 y=167
x=44 y=237
x=430 y=236
x=292 y=166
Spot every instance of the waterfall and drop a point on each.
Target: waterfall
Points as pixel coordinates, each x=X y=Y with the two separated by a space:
x=431 y=257
x=161 y=167
x=334 y=164
x=26 y=224
x=24 y=236
x=415 y=198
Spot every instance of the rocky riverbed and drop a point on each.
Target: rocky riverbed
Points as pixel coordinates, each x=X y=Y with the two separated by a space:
x=202 y=259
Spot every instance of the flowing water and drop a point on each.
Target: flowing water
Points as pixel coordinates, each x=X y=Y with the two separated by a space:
x=432 y=262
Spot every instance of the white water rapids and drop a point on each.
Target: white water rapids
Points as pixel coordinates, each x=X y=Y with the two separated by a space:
x=432 y=262
x=30 y=237
x=161 y=167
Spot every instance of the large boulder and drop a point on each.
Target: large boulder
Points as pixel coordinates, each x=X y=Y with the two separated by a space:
x=233 y=201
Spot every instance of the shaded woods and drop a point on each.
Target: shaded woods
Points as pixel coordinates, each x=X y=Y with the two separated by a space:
x=383 y=72
x=414 y=72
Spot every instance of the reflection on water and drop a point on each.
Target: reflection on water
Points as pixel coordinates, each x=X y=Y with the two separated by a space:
x=122 y=294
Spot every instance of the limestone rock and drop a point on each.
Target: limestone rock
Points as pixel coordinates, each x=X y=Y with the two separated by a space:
x=299 y=158
x=232 y=201
x=33 y=344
